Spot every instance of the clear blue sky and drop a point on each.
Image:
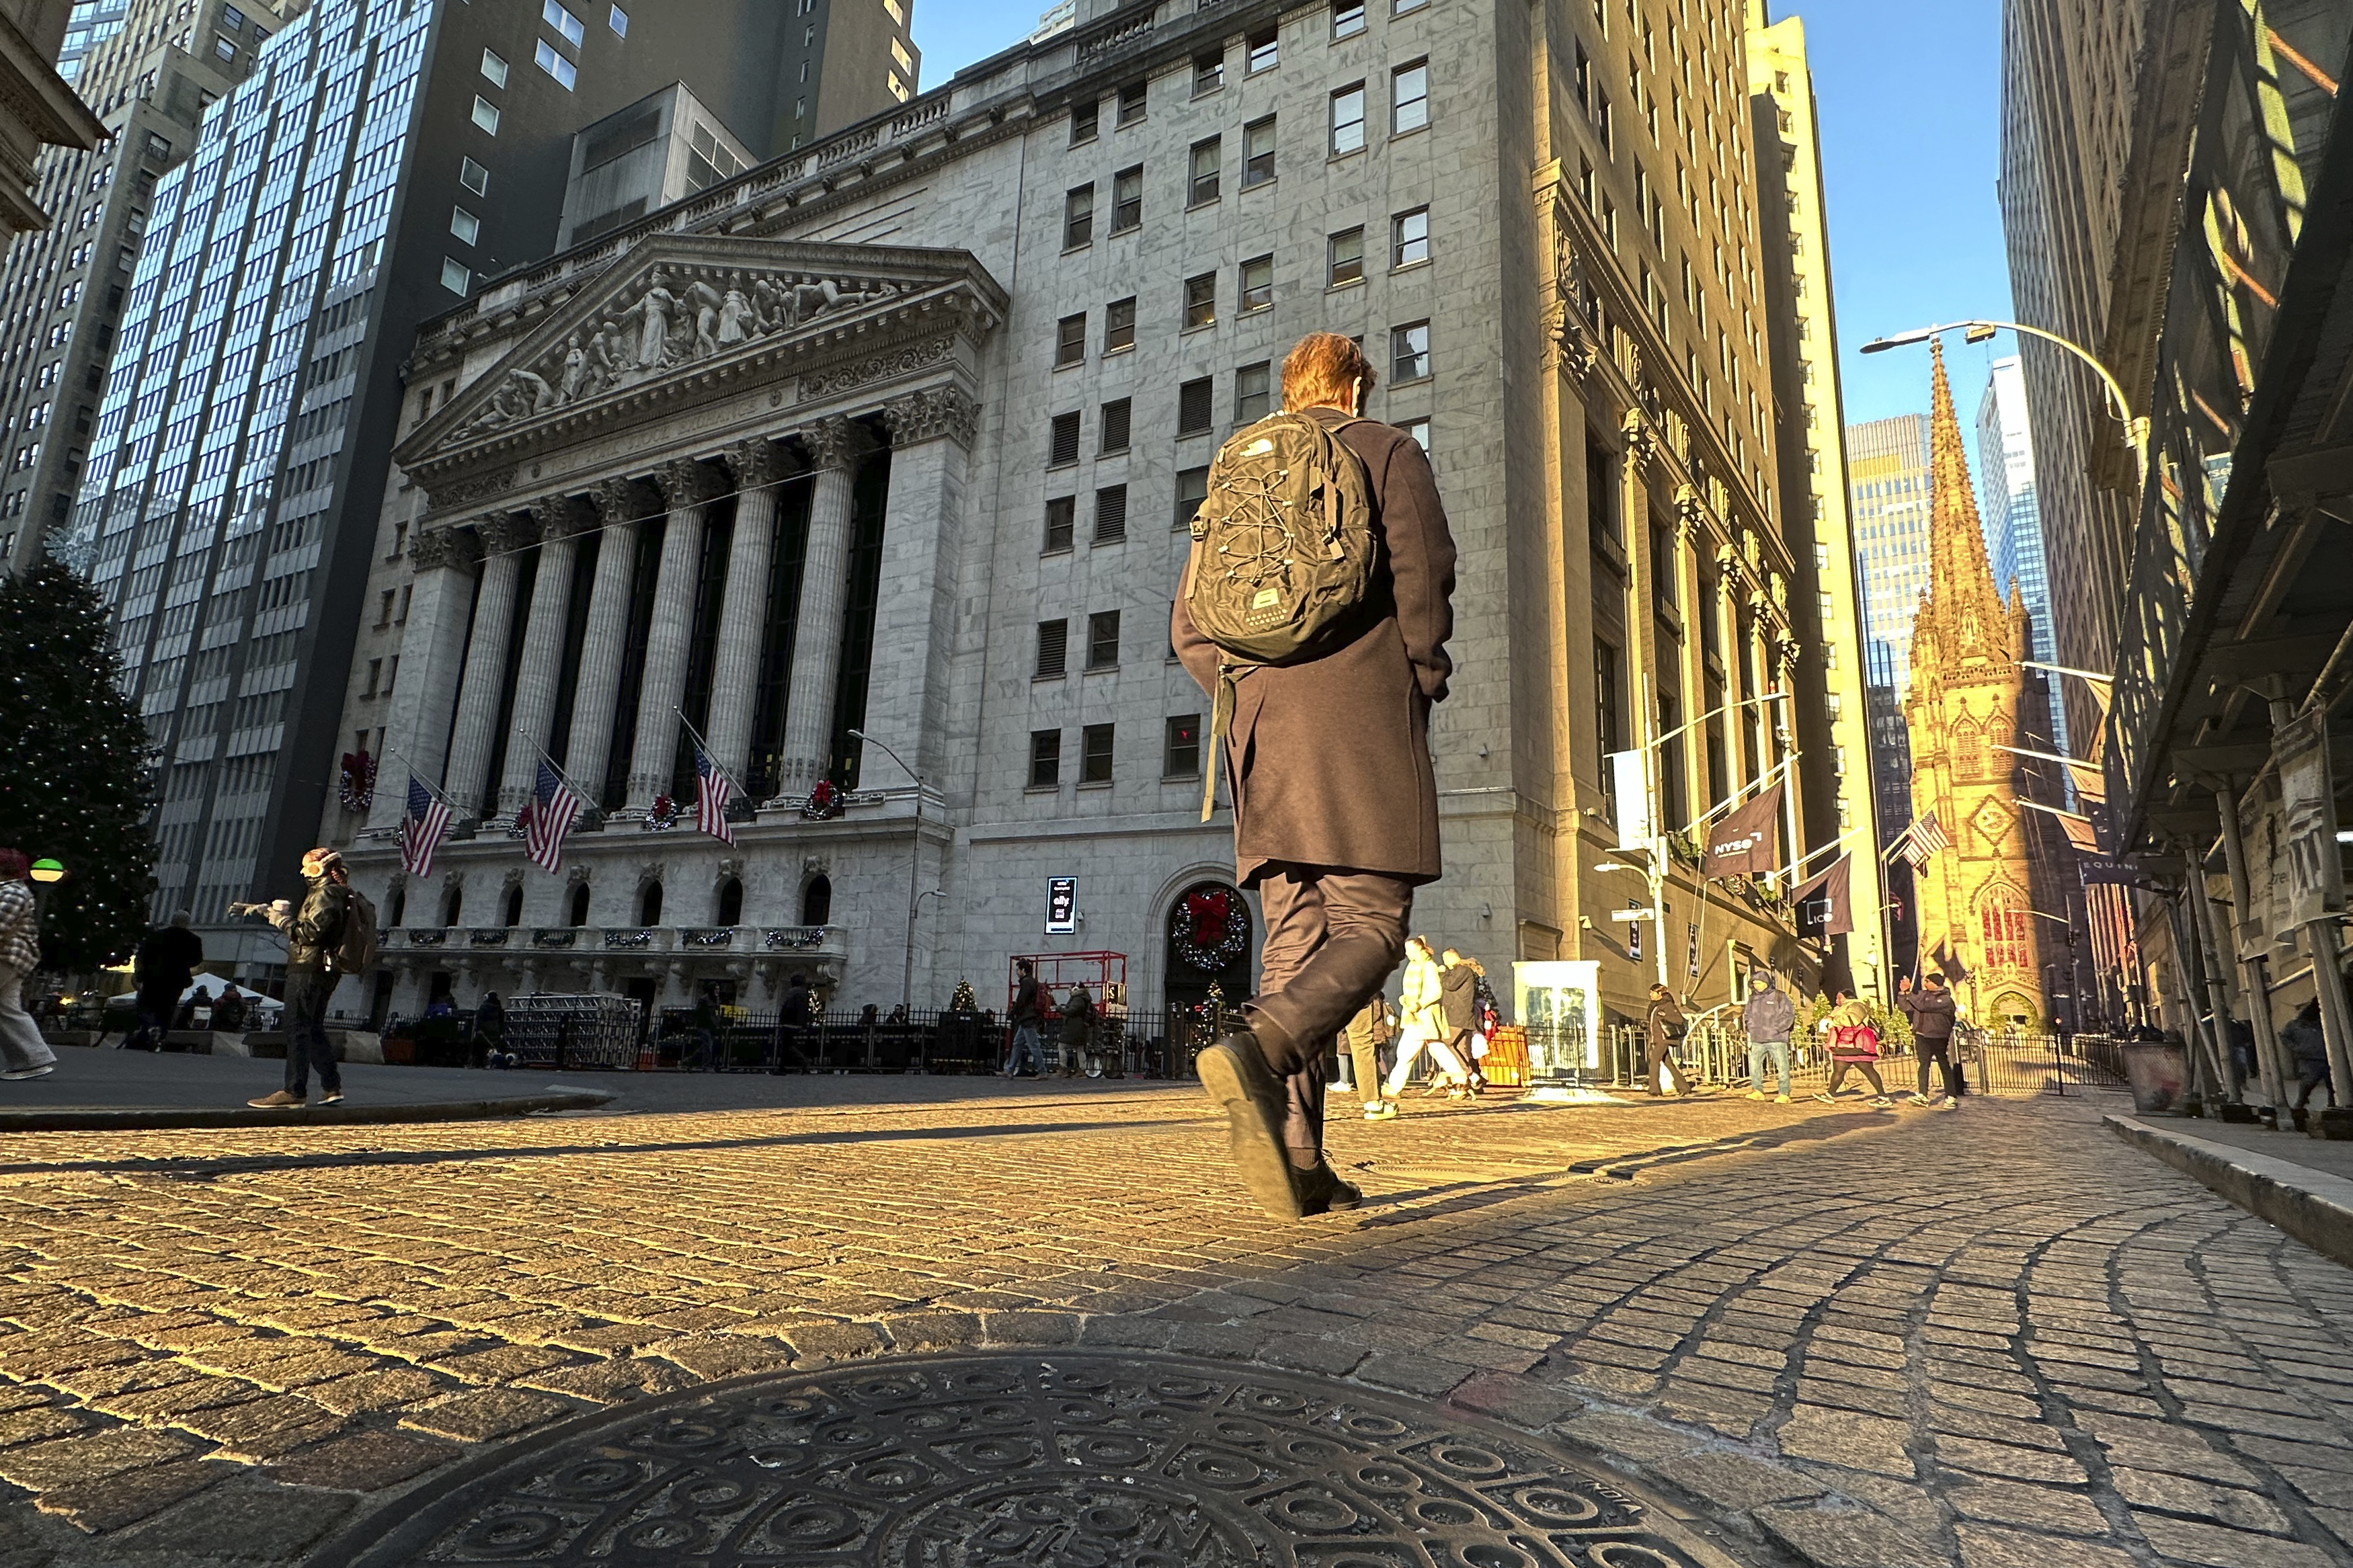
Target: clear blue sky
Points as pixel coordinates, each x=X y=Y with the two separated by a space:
x=1910 y=96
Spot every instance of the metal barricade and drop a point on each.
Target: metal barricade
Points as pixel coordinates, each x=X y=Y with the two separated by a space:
x=591 y=1030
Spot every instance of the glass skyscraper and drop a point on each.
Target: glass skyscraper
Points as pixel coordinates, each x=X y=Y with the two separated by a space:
x=2012 y=512
x=381 y=161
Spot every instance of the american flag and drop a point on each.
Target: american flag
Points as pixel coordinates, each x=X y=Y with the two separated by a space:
x=422 y=830
x=549 y=816
x=1923 y=839
x=711 y=791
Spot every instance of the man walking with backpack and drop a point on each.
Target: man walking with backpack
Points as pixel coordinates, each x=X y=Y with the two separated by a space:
x=330 y=933
x=1316 y=610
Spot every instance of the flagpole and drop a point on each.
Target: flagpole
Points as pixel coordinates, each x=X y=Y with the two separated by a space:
x=704 y=747
x=587 y=801
x=430 y=788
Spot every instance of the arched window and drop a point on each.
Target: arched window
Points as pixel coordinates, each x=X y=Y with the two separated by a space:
x=731 y=902
x=514 y=905
x=453 y=906
x=580 y=905
x=395 y=907
x=649 y=905
x=1968 y=750
x=816 y=901
x=2005 y=929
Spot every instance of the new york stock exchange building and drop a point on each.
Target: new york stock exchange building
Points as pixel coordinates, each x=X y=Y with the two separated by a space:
x=872 y=466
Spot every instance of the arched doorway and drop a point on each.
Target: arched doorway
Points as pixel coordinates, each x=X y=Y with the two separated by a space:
x=1209 y=939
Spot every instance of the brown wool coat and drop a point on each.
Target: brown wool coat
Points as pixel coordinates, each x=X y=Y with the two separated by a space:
x=1328 y=761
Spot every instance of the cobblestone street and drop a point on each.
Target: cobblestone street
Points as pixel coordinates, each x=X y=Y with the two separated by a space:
x=1999 y=1338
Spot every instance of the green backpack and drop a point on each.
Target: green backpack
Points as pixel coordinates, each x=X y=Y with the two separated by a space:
x=1283 y=554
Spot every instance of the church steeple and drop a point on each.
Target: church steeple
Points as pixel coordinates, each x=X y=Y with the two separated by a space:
x=1962 y=598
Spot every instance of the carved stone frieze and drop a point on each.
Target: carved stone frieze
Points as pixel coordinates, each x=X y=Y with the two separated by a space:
x=1641 y=441
x=878 y=367
x=435 y=548
x=560 y=517
x=836 y=442
x=755 y=462
x=931 y=413
x=503 y=532
x=466 y=491
x=685 y=482
x=1690 y=511
x=617 y=502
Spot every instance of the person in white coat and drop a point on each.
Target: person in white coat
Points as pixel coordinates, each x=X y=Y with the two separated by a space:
x=1423 y=1011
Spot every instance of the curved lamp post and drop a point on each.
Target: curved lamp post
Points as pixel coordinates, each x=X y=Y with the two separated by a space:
x=2136 y=426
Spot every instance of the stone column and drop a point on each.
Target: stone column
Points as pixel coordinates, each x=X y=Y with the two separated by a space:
x=596 y=695
x=475 y=737
x=923 y=545
x=743 y=614
x=687 y=487
x=432 y=652
x=543 y=649
x=835 y=447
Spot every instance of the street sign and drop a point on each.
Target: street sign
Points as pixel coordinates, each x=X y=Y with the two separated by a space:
x=1694 y=929
x=1634 y=930
x=1062 y=906
x=1634 y=914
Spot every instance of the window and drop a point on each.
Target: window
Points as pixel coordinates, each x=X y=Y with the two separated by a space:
x=1399 y=8
x=1201 y=300
x=1408 y=98
x=494 y=68
x=1609 y=668
x=374 y=676
x=1079 y=218
x=563 y=21
x=1347 y=18
x=618 y=20
x=1252 y=392
x=486 y=114
x=1114 y=426
x=234 y=19
x=555 y=65
x=383 y=613
x=1409 y=238
x=1110 y=514
x=1131 y=103
x=474 y=177
x=1349 y=118
x=1419 y=429
x=1193 y=409
x=1102 y=641
x=906 y=61
x=1045 y=759
x=1083 y=120
x=1053 y=649
x=1206 y=156
x=1062 y=516
x=1127 y=199
x=1258 y=152
x=455 y=278
x=1408 y=351
x=1265 y=51
x=1071 y=341
x=1258 y=284
x=1094 y=754
x=1119 y=325
x=1208 y=74
x=1180 y=747
x=223 y=49
x=465 y=225
x=1192 y=489
x=1345 y=258
x=1065 y=440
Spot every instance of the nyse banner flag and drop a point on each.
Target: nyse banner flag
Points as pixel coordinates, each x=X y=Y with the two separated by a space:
x=1742 y=843
x=1632 y=786
x=1825 y=907
x=2315 y=877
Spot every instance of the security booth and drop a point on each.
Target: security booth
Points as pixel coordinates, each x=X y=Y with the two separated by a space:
x=1559 y=1003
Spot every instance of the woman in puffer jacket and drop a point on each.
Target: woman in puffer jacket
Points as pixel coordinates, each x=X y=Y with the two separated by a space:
x=1423 y=1010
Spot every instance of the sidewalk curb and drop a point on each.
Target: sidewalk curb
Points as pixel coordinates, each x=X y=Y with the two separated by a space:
x=155 y=1118
x=2311 y=1205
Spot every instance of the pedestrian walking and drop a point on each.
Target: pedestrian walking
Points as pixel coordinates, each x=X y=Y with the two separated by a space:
x=1371 y=1028
x=1077 y=1031
x=163 y=965
x=1028 y=1059
x=2305 y=1041
x=315 y=932
x=1933 y=1014
x=1767 y=1017
x=1458 y=991
x=1327 y=747
x=1422 y=1006
x=1854 y=1048
x=26 y=1054
x=490 y=1028
x=792 y=1024
x=1664 y=1026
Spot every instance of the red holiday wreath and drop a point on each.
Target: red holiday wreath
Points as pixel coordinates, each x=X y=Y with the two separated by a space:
x=662 y=814
x=357 y=785
x=1213 y=928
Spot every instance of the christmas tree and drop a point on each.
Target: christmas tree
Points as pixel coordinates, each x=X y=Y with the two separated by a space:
x=76 y=780
x=964 y=1001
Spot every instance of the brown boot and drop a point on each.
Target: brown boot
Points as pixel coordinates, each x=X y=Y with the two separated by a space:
x=1235 y=1073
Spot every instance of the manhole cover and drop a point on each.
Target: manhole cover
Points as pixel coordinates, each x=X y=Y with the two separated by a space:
x=1070 y=1460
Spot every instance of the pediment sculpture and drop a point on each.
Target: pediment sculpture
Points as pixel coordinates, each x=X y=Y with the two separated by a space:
x=680 y=315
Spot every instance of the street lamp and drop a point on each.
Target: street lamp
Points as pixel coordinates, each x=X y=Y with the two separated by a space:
x=2136 y=426
x=914 y=867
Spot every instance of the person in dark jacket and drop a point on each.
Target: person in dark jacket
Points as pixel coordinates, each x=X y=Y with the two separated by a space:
x=2308 y=1044
x=163 y=965
x=1665 y=1022
x=1931 y=1011
x=1458 y=993
x=314 y=934
x=1027 y=1016
x=1336 y=805
x=1767 y=1017
x=1078 y=1030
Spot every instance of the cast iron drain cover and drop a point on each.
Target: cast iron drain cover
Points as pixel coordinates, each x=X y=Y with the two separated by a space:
x=1081 y=1461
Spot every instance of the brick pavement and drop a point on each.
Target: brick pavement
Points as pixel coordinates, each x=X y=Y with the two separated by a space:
x=1991 y=1338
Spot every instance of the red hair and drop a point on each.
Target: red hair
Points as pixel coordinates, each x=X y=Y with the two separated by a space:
x=1324 y=368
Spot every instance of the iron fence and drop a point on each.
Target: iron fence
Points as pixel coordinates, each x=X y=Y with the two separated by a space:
x=2008 y=1065
x=1141 y=1043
